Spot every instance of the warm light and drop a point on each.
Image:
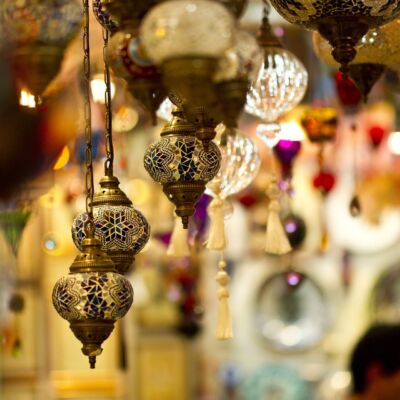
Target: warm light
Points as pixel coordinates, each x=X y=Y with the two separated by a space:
x=291 y=130
x=26 y=99
x=63 y=159
x=394 y=143
x=340 y=380
x=98 y=88
x=291 y=335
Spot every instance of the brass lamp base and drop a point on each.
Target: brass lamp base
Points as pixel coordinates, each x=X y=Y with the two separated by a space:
x=232 y=98
x=37 y=65
x=365 y=76
x=92 y=333
x=149 y=92
x=184 y=195
x=123 y=261
x=343 y=34
x=110 y=193
x=191 y=79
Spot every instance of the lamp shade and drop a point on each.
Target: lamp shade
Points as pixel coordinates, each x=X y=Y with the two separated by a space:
x=187 y=28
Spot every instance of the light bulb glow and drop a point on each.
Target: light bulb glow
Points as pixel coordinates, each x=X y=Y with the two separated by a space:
x=393 y=143
x=98 y=88
x=27 y=99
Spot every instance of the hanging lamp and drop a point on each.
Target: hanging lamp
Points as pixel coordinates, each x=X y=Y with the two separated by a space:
x=93 y=296
x=180 y=163
x=39 y=32
x=280 y=84
x=186 y=39
x=343 y=23
x=122 y=230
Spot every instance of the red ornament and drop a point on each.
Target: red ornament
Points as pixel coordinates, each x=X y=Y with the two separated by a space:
x=347 y=91
x=376 y=134
x=324 y=181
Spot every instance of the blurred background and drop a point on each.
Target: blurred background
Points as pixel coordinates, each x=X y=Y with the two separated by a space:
x=295 y=317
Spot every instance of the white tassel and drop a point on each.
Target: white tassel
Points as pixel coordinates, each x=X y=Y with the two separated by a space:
x=276 y=239
x=224 y=323
x=178 y=246
x=216 y=236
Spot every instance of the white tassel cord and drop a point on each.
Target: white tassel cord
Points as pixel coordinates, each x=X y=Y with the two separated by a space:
x=224 y=322
x=276 y=238
x=216 y=236
x=178 y=246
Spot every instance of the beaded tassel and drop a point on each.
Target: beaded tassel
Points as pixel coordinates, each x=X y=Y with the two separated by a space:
x=178 y=246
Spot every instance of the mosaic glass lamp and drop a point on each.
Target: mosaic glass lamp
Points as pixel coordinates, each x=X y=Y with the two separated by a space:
x=122 y=230
x=40 y=31
x=279 y=86
x=186 y=38
x=127 y=59
x=92 y=297
x=342 y=23
x=181 y=164
x=377 y=50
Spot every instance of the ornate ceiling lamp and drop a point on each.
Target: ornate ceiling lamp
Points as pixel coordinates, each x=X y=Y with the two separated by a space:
x=342 y=23
x=377 y=50
x=186 y=39
x=122 y=230
x=93 y=296
x=180 y=163
x=40 y=31
x=280 y=84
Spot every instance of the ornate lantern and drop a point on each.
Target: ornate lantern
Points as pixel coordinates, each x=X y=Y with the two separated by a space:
x=376 y=50
x=181 y=164
x=279 y=86
x=342 y=23
x=40 y=32
x=186 y=38
x=93 y=296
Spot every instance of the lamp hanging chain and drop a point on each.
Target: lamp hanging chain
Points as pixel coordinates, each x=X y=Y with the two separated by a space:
x=89 y=182
x=109 y=163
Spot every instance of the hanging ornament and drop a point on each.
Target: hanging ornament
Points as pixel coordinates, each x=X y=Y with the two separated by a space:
x=13 y=224
x=355 y=205
x=279 y=86
x=40 y=32
x=376 y=134
x=93 y=296
x=178 y=245
x=276 y=239
x=122 y=230
x=240 y=163
x=286 y=151
x=186 y=39
x=342 y=24
x=348 y=93
x=236 y=69
x=128 y=61
x=181 y=164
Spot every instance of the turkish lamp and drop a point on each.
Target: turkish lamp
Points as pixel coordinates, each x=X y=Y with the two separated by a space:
x=279 y=86
x=122 y=230
x=342 y=23
x=182 y=165
x=92 y=297
x=40 y=32
x=128 y=60
x=236 y=69
x=186 y=39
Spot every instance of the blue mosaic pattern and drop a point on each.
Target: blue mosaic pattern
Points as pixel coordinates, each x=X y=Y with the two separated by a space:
x=182 y=158
x=94 y=295
x=305 y=12
x=103 y=16
x=119 y=228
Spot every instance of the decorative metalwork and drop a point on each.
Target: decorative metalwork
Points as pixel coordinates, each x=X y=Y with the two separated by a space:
x=181 y=163
x=94 y=295
x=103 y=16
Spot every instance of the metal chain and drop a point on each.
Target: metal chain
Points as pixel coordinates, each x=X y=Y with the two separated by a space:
x=89 y=225
x=108 y=165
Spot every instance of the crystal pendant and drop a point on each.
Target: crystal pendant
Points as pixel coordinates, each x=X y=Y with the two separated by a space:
x=269 y=133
